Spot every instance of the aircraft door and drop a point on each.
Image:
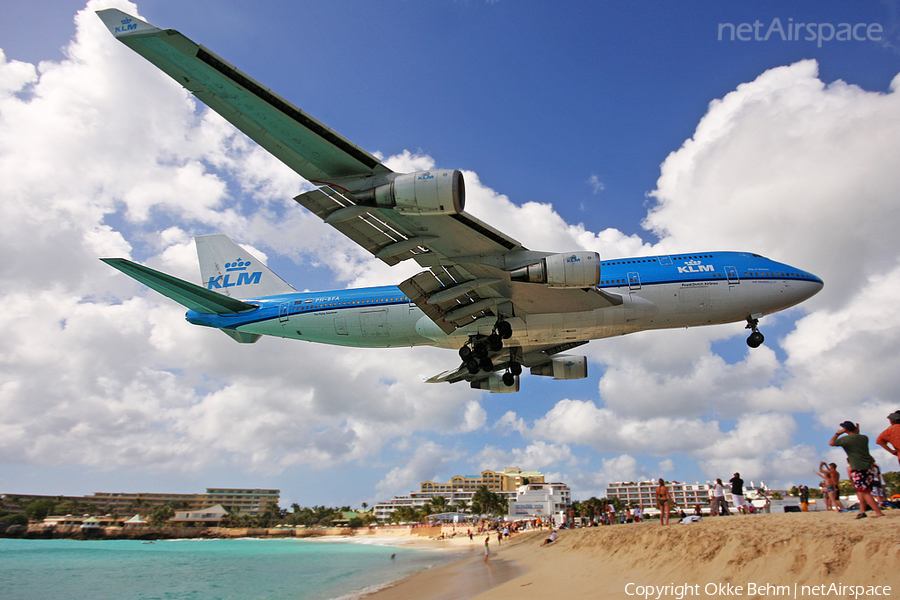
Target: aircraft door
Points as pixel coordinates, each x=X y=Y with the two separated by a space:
x=732 y=275
x=374 y=323
x=340 y=326
x=634 y=280
x=283 y=312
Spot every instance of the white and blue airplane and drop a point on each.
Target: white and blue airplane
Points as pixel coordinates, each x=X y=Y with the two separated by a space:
x=502 y=306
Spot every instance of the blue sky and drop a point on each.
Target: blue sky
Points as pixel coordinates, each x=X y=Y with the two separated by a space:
x=626 y=128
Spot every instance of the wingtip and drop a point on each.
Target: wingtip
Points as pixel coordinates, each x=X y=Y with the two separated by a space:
x=120 y=23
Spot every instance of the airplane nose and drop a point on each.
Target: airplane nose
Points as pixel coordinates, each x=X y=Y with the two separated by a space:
x=806 y=287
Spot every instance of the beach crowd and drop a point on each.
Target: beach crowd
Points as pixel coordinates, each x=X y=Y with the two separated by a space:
x=862 y=471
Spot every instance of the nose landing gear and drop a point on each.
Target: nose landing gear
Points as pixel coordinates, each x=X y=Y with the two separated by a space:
x=756 y=338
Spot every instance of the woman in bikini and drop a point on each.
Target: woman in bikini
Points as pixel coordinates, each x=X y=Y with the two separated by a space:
x=662 y=500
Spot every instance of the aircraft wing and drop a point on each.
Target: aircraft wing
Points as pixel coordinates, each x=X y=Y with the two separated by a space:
x=299 y=141
x=468 y=261
x=528 y=356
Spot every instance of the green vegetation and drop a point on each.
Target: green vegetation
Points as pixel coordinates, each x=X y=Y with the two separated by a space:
x=39 y=509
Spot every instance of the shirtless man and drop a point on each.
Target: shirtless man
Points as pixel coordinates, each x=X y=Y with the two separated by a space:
x=829 y=475
x=663 y=500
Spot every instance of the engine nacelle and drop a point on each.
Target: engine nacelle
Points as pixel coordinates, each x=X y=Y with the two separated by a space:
x=494 y=384
x=563 y=367
x=571 y=270
x=438 y=192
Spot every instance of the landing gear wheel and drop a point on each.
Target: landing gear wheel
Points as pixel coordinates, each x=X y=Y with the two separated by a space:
x=480 y=351
x=515 y=369
x=465 y=352
x=509 y=379
x=486 y=364
x=756 y=339
x=495 y=342
x=504 y=329
x=472 y=366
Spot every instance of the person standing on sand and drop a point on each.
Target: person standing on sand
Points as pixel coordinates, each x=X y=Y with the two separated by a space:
x=663 y=500
x=862 y=465
x=891 y=436
x=804 y=498
x=487 y=550
x=832 y=480
x=720 y=507
x=737 y=492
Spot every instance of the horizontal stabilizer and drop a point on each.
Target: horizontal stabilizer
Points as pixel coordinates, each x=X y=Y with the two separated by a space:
x=242 y=337
x=187 y=294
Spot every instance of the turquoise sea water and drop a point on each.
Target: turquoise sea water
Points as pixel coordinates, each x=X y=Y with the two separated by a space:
x=244 y=569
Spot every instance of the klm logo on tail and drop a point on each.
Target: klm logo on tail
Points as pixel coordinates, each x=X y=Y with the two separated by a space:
x=236 y=269
x=127 y=25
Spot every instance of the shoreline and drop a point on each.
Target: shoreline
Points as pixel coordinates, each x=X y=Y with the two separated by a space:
x=791 y=553
x=465 y=577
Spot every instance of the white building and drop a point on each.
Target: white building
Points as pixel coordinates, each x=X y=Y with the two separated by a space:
x=416 y=500
x=539 y=500
x=211 y=516
x=507 y=484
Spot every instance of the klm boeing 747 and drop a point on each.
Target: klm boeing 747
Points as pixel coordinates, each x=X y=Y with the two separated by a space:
x=502 y=306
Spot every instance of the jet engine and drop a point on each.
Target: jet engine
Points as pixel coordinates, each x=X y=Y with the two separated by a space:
x=438 y=192
x=563 y=367
x=494 y=384
x=570 y=270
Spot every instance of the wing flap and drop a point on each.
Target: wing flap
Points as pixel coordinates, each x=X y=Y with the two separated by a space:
x=189 y=295
x=394 y=237
x=382 y=232
x=452 y=297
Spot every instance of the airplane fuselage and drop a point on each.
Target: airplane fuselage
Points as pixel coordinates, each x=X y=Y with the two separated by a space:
x=657 y=292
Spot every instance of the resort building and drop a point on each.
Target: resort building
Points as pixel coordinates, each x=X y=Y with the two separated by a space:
x=539 y=500
x=252 y=502
x=508 y=481
x=245 y=501
x=205 y=517
x=684 y=495
x=461 y=489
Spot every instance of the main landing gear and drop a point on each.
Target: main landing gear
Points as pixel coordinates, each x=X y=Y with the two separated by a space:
x=475 y=353
x=756 y=338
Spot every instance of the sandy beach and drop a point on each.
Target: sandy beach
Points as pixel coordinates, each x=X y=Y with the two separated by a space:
x=796 y=555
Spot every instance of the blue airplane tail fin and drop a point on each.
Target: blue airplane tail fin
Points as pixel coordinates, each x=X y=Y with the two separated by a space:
x=228 y=269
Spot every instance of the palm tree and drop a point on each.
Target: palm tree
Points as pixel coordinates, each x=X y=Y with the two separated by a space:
x=404 y=514
x=438 y=503
x=161 y=515
x=486 y=502
x=462 y=506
